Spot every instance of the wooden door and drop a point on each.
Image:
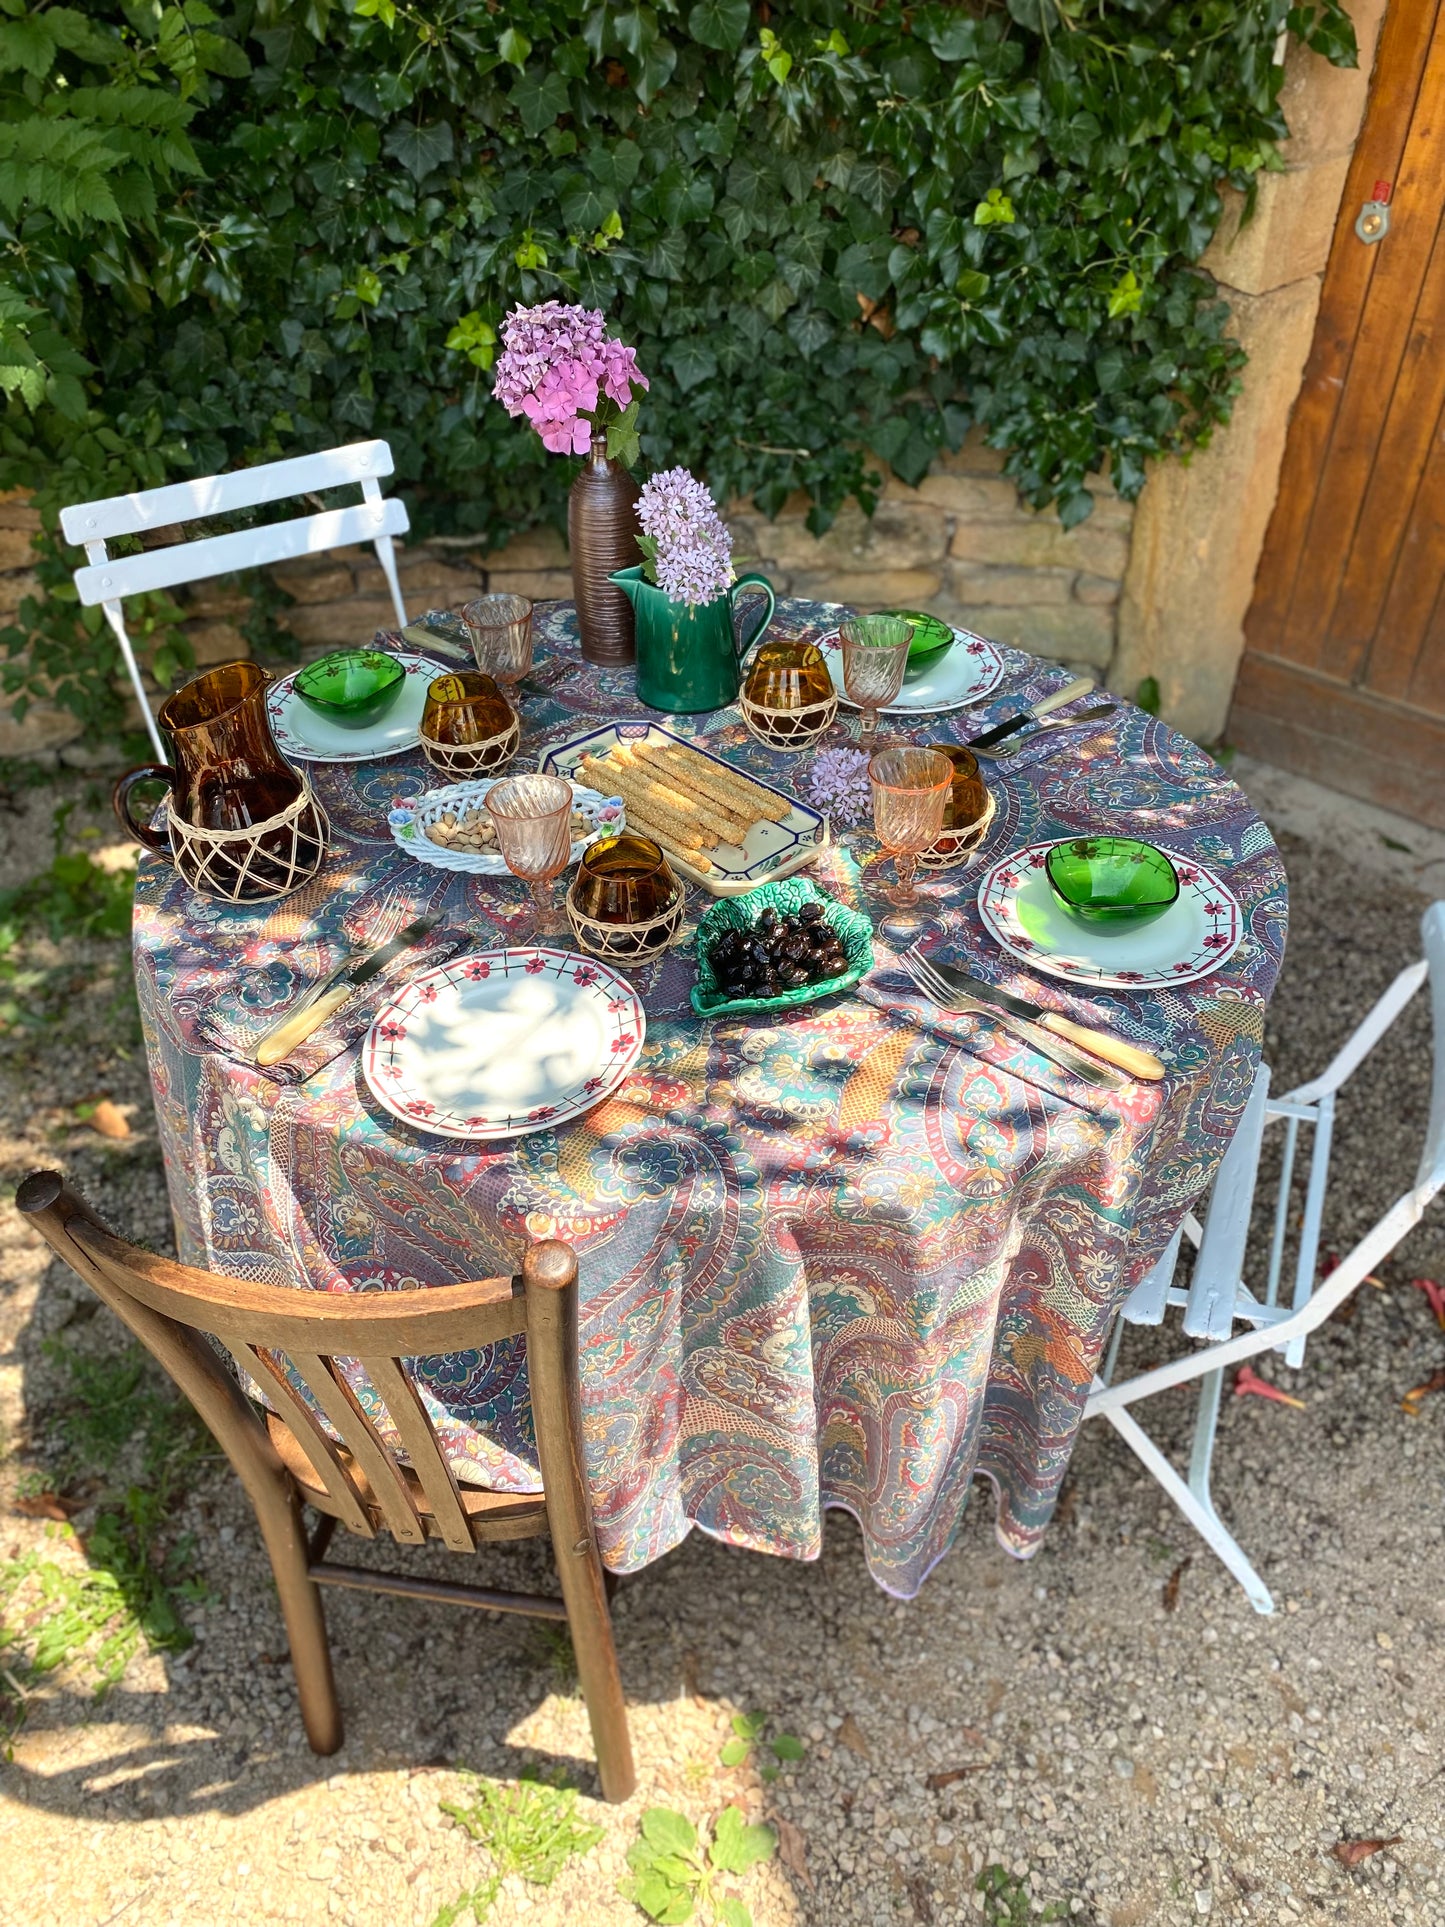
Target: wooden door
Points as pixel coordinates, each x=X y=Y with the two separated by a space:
x=1343 y=676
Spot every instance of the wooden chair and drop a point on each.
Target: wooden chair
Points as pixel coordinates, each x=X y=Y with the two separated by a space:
x=107 y=579
x=286 y=1458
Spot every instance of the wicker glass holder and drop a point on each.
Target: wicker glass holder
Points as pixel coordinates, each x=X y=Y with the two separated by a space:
x=461 y=761
x=627 y=943
x=956 y=847
x=788 y=729
x=257 y=864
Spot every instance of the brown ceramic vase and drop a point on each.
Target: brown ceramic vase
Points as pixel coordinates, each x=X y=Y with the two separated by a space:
x=602 y=535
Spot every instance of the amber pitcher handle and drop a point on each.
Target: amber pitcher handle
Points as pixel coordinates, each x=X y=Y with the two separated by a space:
x=760 y=582
x=120 y=796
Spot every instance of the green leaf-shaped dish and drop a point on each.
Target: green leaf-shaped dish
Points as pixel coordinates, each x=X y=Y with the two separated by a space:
x=786 y=897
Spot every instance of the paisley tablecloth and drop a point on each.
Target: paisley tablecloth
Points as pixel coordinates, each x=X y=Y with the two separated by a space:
x=849 y=1258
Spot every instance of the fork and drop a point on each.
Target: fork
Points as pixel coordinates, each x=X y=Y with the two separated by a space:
x=1089 y=1070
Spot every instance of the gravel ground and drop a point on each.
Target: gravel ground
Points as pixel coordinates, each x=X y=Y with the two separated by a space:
x=1111 y=1724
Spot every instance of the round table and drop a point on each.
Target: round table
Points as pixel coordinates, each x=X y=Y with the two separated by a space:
x=849 y=1256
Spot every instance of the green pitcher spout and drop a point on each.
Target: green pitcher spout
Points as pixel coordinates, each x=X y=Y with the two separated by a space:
x=689 y=655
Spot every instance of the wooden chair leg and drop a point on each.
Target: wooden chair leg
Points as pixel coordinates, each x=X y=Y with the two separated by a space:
x=549 y=1273
x=284 y=1533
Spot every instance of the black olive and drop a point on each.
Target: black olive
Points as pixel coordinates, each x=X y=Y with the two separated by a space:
x=811 y=912
x=768 y=920
x=795 y=977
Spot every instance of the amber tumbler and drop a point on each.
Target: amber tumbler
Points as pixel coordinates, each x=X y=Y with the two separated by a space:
x=465 y=707
x=968 y=793
x=788 y=675
x=625 y=879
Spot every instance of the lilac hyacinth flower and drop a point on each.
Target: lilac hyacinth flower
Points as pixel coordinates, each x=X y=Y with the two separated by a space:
x=694 y=551
x=838 y=785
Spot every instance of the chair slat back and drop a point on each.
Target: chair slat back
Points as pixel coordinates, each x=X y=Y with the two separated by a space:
x=107 y=580
x=1219 y=1264
x=274 y=1331
x=209 y=495
x=117 y=576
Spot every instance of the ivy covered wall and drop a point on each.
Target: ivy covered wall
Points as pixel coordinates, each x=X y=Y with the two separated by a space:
x=839 y=236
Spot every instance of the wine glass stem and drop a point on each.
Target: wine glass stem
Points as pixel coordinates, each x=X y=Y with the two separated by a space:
x=906 y=864
x=544 y=898
x=867 y=727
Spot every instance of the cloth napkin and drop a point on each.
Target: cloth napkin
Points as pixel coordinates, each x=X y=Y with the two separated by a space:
x=237 y=1014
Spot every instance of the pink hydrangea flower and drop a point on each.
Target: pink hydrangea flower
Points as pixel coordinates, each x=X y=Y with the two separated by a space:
x=557 y=366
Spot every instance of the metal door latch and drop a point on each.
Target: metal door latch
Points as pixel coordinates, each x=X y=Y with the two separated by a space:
x=1372 y=223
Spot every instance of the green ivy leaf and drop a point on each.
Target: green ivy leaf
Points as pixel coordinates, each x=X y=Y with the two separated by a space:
x=1125 y=296
x=721 y=24
x=514 y=46
x=420 y=149
x=994 y=210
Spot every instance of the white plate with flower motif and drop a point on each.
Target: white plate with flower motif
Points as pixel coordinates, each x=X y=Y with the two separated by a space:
x=504 y=1042
x=956 y=679
x=1195 y=935
x=308 y=738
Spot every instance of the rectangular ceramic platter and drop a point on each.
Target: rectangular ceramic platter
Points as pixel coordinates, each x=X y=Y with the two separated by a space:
x=769 y=851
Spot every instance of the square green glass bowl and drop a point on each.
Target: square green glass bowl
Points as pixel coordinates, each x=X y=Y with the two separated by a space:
x=787 y=898
x=351 y=689
x=1111 y=882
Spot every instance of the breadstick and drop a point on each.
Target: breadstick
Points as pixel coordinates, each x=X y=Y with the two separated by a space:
x=723 y=825
x=638 y=792
x=645 y=825
x=650 y=756
x=667 y=801
x=734 y=790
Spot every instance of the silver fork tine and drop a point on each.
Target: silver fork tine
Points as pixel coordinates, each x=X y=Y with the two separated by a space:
x=1087 y=1068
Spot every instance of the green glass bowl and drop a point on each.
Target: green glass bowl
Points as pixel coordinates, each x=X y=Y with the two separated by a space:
x=787 y=897
x=931 y=635
x=351 y=689
x=1111 y=880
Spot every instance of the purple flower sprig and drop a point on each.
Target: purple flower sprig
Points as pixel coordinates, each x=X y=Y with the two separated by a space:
x=838 y=785
x=559 y=369
x=685 y=542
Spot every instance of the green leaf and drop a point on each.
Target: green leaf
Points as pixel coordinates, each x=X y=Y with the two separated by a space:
x=539 y=96
x=787 y=1747
x=994 y=210
x=661 y=1899
x=1125 y=296
x=1147 y=696
x=734 y=1752
x=420 y=149
x=668 y=1831
x=736 y=1845
x=514 y=46
x=719 y=23
x=749 y=1726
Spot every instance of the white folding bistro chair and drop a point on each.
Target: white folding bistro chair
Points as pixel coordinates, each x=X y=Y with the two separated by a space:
x=1217 y=1299
x=109 y=579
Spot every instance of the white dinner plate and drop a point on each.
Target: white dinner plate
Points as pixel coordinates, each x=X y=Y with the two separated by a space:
x=306 y=737
x=956 y=679
x=504 y=1042
x=1195 y=935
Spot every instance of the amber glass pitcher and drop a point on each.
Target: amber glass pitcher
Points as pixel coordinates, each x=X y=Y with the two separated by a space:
x=226 y=776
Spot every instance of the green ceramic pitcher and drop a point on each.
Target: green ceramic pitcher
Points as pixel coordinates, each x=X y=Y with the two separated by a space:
x=688 y=655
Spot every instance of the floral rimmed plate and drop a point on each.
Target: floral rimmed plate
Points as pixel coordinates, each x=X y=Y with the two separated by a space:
x=504 y=1042
x=955 y=679
x=1194 y=936
x=308 y=738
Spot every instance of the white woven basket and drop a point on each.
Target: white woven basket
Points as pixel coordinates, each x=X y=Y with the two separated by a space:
x=410 y=819
x=258 y=864
x=956 y=847
x=627 y=943
x=463 y=760
x=788 y=729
